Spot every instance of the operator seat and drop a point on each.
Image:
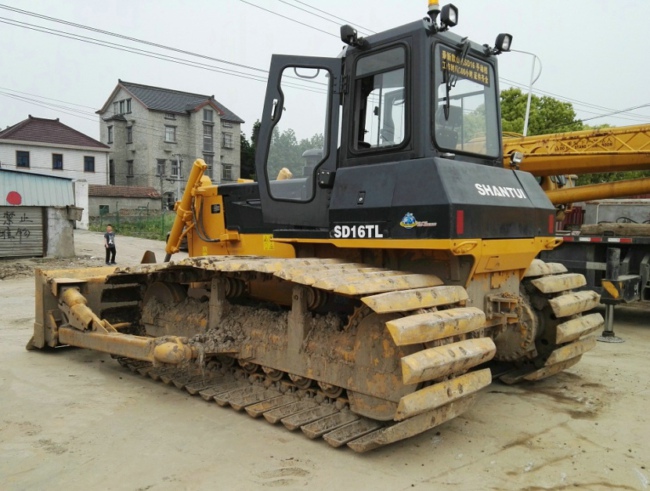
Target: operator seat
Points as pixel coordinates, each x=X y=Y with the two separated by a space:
x=446 y=134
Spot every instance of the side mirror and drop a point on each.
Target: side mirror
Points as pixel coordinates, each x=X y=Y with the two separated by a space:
x=350 y=37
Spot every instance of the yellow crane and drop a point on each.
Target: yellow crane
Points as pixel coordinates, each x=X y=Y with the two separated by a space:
x=554 y=157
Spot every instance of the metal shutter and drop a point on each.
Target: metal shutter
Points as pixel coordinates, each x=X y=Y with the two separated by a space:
x=21 y=231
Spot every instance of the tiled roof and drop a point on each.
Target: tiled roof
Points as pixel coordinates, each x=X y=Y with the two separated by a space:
x=122 y=191
x=174 y=101
x=52 y=131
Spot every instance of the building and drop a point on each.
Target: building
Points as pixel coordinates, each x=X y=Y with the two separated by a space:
x=155 y=134
x=49 y=147
x=37 y=215
x=105 y=200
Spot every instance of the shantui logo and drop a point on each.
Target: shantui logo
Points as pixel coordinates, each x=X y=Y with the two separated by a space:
x=409 y=221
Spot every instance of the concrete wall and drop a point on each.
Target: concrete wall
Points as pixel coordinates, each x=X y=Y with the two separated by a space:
x=81 y=201
x=115 y=204
x=40 y=161
x=611 y=210
x=60 y=236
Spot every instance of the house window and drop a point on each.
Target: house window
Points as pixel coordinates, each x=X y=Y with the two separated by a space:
x=116 y=108
x=111 y=171
x=170 y=134
x=176 y=169
x=89 y=163
x=160 y=167
x=226 y=172
x=129 y=134
x=226 y=124
x=207 y=138
x=57 y=161
x=169 y=200
x=170 y=116
x=208 y=115
x=22 y=158
x=104 y=210
x=227 y=140
x=110 y=134
x=121 y=107
x=128 y=105
x=209 y=160
x=129 y=168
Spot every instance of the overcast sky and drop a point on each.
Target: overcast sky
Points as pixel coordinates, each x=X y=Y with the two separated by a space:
x=594 y=52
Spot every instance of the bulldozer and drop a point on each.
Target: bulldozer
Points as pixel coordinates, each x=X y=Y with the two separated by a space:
x=363 y=290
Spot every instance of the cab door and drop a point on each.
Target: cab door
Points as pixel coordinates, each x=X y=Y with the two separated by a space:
x=296 y=154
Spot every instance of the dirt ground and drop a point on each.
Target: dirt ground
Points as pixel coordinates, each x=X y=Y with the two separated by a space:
x=74 y=419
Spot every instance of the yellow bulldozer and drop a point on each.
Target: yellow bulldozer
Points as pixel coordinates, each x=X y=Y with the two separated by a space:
x=364 y=294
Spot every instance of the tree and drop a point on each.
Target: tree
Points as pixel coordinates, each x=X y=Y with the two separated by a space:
x=248 y=153
x=547 y=114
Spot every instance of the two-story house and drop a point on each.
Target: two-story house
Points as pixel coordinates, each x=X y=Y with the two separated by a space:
x=49 y=147
x=155 y=134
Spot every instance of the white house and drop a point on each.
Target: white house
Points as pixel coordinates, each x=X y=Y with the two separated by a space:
x=49 y=147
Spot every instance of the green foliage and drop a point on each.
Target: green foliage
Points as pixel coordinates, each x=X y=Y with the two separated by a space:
x=547 y=114
x=248 y=150
x=610 y=177
x=287 y=151
x=146 y=225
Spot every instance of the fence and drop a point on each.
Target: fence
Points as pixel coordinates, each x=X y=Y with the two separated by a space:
x=138 y=222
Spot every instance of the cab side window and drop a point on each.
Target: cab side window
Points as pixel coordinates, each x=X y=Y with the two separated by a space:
x=380 y=95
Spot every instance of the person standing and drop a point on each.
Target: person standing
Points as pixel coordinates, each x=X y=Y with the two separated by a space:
x=109 y=244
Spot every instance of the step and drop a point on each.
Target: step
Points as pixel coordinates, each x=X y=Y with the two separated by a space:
x=574 y=303
x=416 y=298
x=256 y=410
x=350 y=431
x=559 y=283
x=297 y=420
x=276 y=415
x=328 y=423
x=422 y=328
x=412 y=426
x=434 y=363
x=440 y=394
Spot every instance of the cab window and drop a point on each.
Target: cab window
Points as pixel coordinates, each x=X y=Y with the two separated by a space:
x=380 y=95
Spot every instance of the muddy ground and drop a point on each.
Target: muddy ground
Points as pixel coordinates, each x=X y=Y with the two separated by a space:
x=74 y=419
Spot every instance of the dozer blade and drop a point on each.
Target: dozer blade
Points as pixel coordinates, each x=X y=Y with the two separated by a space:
x=411 y=426
x=559 y=283
x=580 y=326
x=350 y=431
x=540 y=268
x=422 y=328
x=571 y=351
x=434 y=363
x=574 y=303
x=417 y=298
x=443 y=393
x=297 y=420
x=328 y=423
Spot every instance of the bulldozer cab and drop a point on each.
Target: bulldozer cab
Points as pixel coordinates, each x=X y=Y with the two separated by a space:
x=410 y=93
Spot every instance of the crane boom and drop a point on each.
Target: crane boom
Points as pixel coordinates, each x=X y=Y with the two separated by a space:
x=625 y=148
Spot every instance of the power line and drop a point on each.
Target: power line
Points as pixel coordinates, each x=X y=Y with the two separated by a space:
x=311 y=13
x=335 y=17
x=289 y=18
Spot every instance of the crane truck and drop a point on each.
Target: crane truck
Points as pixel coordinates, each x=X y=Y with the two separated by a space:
x=366 y=296
x=612 y=252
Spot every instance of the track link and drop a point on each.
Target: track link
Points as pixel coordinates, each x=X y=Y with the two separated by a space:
x=567 y=334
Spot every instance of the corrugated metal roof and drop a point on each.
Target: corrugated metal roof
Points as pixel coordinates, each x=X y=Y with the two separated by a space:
x=27 y=189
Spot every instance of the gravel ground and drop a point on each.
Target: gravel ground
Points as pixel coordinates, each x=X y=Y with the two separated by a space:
x=75 y=420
